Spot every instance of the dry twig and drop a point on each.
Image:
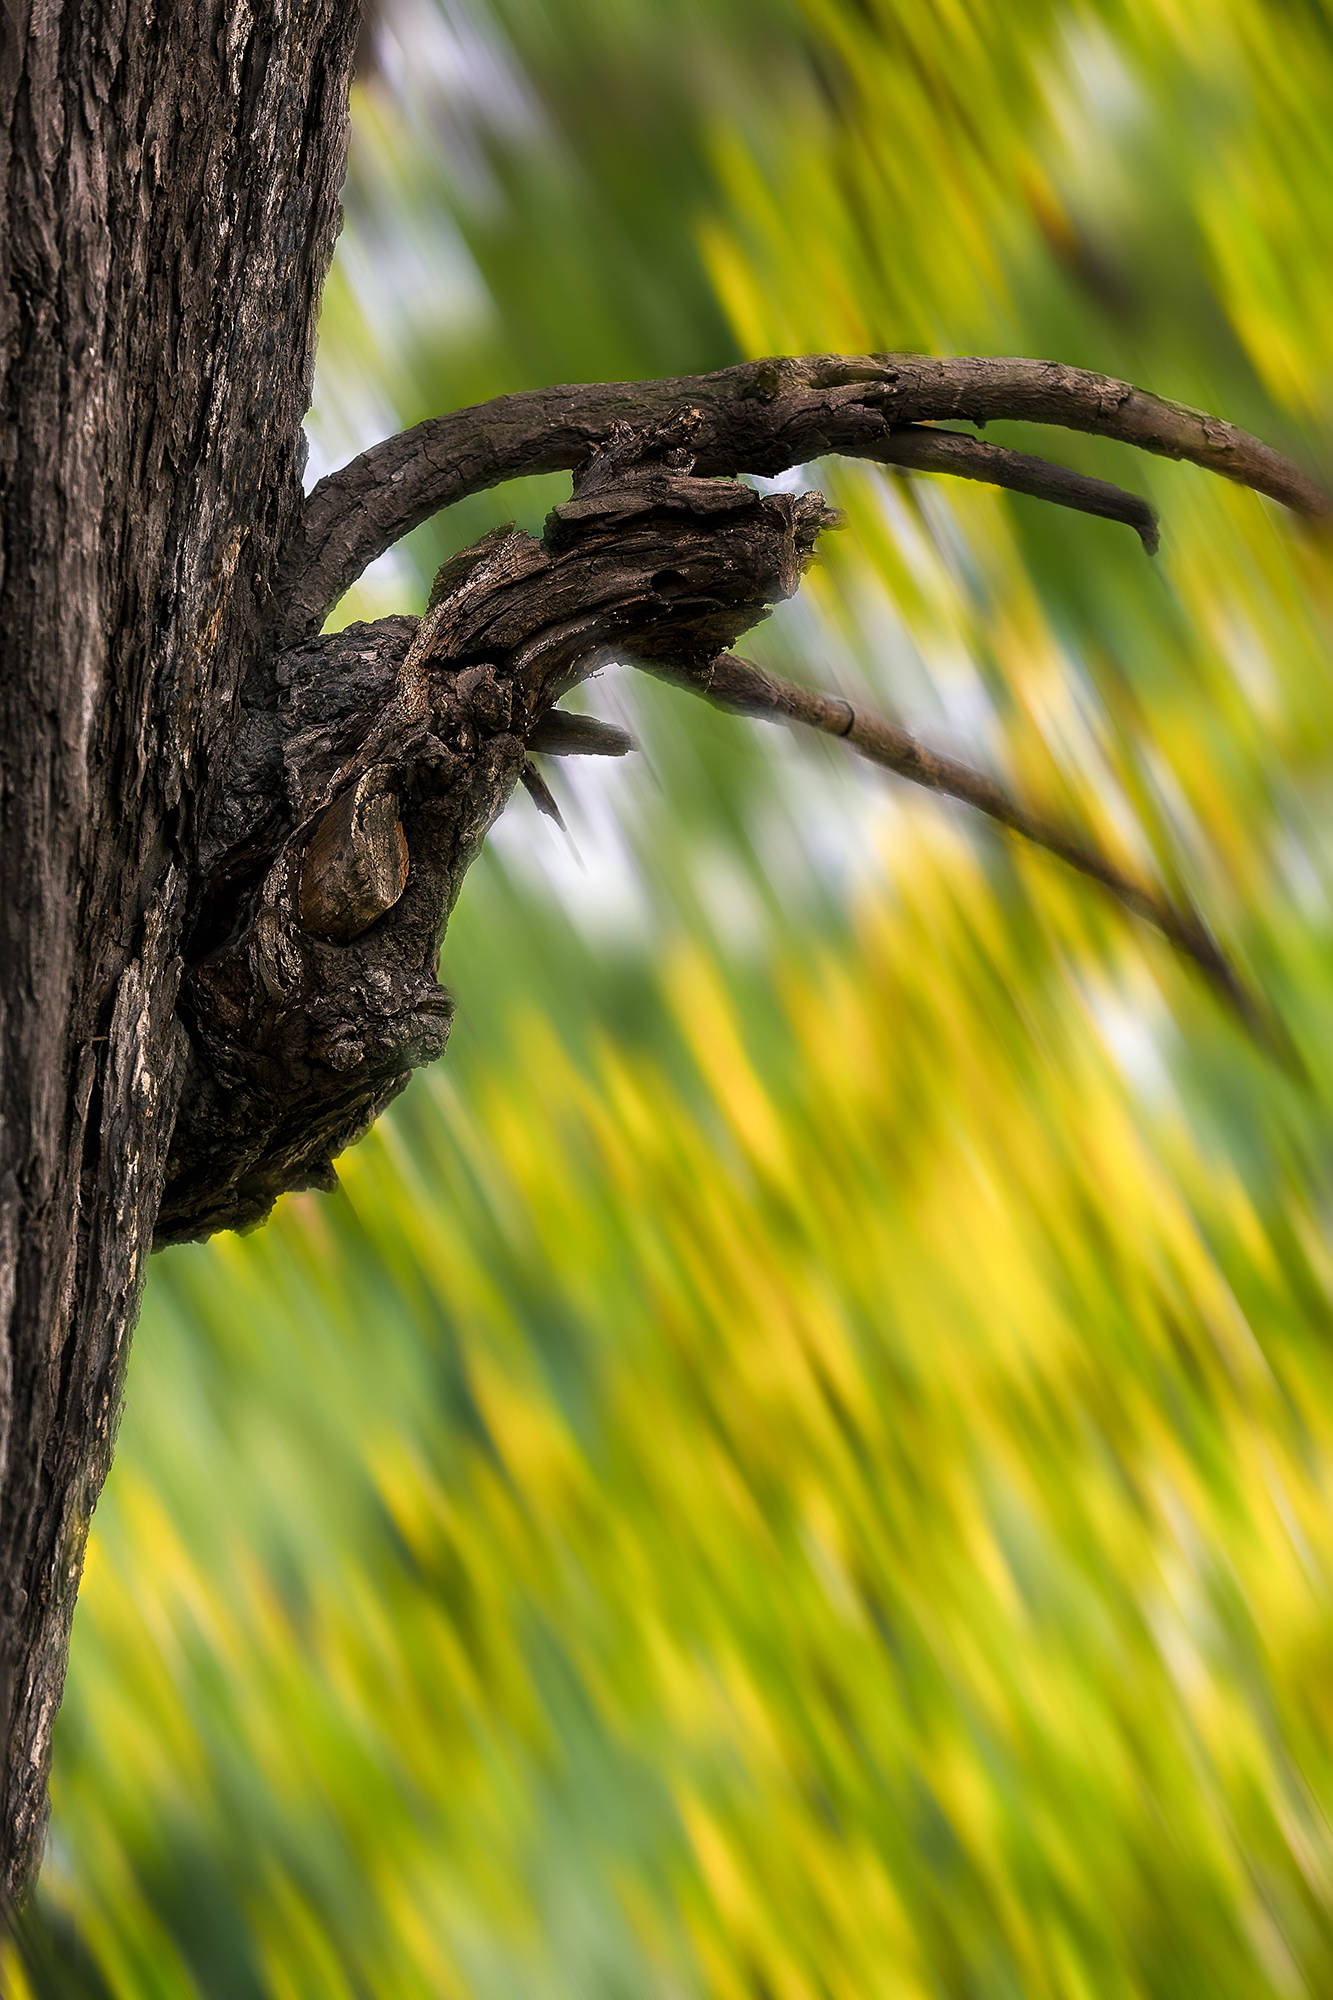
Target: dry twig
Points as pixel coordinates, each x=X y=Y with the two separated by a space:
x=743 y=688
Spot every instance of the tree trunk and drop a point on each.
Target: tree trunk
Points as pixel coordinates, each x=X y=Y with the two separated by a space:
x=230 y=845
x=170 y=206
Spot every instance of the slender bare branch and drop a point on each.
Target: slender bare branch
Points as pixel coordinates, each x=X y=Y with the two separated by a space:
x=739 y=686
x=918 y=449
x=762 y=416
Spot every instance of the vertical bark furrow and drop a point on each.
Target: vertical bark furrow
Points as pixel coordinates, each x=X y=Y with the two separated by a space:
x=169 y=197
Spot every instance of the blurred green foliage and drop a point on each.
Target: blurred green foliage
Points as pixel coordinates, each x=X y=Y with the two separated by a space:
x=800 y=1465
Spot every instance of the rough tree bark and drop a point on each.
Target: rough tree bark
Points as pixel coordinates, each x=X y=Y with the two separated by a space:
x=170 y=206
x=230 y=845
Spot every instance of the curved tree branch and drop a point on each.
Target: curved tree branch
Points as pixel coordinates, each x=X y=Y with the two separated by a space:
x=918 y=449
x=369 y=764
x=367 y=769
x=761 y=416
x=739 y=686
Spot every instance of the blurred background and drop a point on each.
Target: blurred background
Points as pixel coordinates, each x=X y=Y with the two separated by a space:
x=799 y=1466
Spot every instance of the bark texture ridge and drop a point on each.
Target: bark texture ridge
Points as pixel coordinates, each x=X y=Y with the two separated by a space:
x=170 y=204
x=764 y=417
x=231 y=843
x=312 y=994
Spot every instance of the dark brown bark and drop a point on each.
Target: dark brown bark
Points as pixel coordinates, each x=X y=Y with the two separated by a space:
x=312 y=993
x=170 y=188
x=369 y=766
x=230 y=845
x=765 y=416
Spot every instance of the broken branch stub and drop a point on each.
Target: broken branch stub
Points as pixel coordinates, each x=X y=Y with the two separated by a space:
x=311 y=991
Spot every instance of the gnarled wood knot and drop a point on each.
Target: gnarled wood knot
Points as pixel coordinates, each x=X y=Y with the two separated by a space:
x=355 y=865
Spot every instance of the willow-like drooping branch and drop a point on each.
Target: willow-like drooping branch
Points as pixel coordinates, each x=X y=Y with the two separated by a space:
x=760 y=417
x=735 y=684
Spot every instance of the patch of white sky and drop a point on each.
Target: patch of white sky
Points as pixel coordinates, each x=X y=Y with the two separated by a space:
x=454 y=79
x=1094 y=105
x=1134 y=1027
x=1250 y=659
x=1301 y=852
x=593 y=870
x=868 y=650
